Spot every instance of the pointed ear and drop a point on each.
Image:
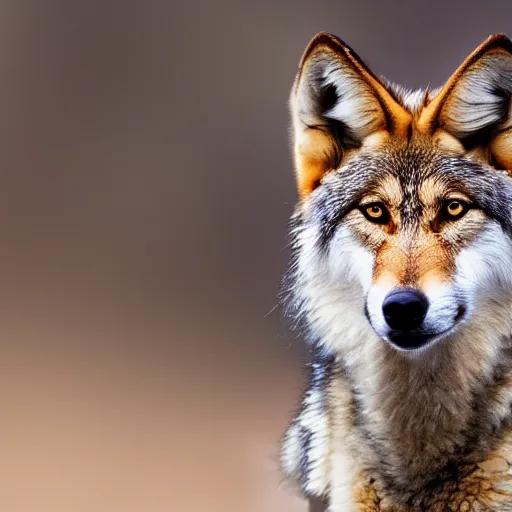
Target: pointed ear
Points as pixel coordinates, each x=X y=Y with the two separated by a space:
x=337 y=103
x=475 y=104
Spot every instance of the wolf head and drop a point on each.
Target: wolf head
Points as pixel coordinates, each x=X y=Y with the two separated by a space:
x=403 y=232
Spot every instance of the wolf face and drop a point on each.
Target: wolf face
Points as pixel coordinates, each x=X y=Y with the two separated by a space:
x=403 y=233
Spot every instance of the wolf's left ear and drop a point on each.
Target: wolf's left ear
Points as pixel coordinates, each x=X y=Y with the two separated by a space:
x=475 y=104
x=337 y=104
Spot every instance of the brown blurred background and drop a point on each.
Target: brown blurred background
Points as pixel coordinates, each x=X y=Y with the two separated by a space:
x=145 y=190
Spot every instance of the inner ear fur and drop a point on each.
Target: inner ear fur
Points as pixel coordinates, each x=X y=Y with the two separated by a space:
x=475 y=103
x=337 y=104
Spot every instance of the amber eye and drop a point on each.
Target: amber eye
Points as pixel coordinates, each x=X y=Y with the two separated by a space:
x=455 y=209
x=375 y=212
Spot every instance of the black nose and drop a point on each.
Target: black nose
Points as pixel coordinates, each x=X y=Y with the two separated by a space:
x=405 y=309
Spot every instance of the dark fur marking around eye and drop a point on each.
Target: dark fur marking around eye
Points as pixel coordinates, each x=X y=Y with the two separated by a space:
x=366 y=210
x=445 y=214
x=489 y=192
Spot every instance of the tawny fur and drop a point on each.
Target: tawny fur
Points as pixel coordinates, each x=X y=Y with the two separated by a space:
x=380 y=429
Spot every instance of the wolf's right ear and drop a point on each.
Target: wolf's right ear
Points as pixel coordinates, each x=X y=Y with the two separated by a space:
x=475 y=104
x=336 y=104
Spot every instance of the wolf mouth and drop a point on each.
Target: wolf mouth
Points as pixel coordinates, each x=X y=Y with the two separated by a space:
x=410 y=341
x=407 y=340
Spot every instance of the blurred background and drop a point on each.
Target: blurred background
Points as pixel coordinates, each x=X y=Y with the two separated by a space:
x=145 y=189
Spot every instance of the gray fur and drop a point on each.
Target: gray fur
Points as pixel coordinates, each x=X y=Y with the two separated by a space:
x=377 y=429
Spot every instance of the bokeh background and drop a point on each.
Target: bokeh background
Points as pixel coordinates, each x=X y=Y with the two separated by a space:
x=145 y=189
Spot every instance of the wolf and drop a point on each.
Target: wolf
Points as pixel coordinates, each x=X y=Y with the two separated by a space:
x=401 y=278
